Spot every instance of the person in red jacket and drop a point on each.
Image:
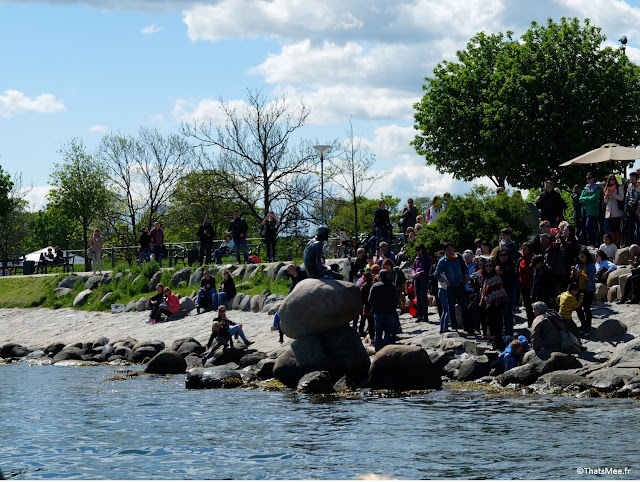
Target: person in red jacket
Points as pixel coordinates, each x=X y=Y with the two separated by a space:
x=168 y=307
x=525 y=275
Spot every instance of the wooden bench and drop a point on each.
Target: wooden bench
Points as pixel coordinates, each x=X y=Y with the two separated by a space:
x=67 y=263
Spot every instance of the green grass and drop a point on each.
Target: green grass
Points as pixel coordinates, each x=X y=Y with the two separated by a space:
x=28 y=291
x=23 y=292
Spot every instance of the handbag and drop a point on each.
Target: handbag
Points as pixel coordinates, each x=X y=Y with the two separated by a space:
x=164 y=305
x=263 y=231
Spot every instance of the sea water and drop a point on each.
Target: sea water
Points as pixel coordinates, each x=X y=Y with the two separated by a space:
x=78 y=422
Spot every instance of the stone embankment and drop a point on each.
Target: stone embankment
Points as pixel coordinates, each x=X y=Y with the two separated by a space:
x=321 y=353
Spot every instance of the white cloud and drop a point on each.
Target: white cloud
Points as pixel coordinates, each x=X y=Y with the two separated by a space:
x=98 y=128
x=205 y=110
x=36 y=197
x=151 y=29
x=14 y=102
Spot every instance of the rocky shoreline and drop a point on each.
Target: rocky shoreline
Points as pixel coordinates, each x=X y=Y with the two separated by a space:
x=609 y=367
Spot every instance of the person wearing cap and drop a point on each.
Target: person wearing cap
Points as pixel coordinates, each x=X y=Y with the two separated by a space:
x=95 y=247
x=408 y=216
x=591 y=198
x=551 y=204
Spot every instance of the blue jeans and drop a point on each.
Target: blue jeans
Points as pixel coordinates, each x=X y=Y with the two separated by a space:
x=241 y=242
x=145 y=254
x=219 y=299
x=592 y=230
x=384 y=323
x=382 y=234
x=420 y=290
x=457 y=294
x=444 y=301
x=157 y=251
x=236 y=332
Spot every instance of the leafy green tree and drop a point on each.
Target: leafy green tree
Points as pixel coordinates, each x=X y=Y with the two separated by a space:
x=14 y=229
x=52 y=227
x=514 y=110
x=340 y=213
x=79 y=188
x=478 y=214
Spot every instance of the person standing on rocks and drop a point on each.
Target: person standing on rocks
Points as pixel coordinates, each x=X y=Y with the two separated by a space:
x=408 y=216
x=551 y=204
x=157 y=242
x=493 y=299
x=95 y=243
x=421 y=270
x=631 y=293
x=631 y=211
x=205 y=235
x=453 y=271
x=383 y=299
x=382 y=223
x=270 y=229
x=238 y=228
x=145 y=249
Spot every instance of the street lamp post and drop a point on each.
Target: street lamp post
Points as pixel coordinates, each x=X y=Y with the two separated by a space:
x=321 y=149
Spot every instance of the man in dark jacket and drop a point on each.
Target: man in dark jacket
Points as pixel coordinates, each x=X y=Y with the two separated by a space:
x=384 y=300
x=238 y=228
x=382 y=223
x=297 y=274
x=205 y=235
x=408 y=216
x=551 y=205
x=543 y=288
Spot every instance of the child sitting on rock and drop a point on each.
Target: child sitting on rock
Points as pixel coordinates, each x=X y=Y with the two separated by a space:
x=222 y=331
x=567 y=302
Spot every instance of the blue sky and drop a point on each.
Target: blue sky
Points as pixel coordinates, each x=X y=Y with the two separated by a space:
x=74 y=68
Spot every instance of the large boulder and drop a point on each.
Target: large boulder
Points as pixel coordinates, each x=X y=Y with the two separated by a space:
x=601 y=292
x=622 y=257
x=238 y=273
x=402 y=367
x=473 y=368
x=346 y=354
x=626 y=352
x=196 y=276
x=265 y=368
x=613 y=294
x=534 y=367
x=622 y=283
x=282 y=272
x=142 y=353
x=319 y=306
x=182 y=275
x=213 y=377
x=236 y=301
x=54 y=348
x=93 y=282
x=187 y=304
x=245 y=304
x=304 y=355
x=81 y=298
x=62 y=291
x=105 y=299
x=251 y=359
x=273 y=270
x=154 y=280
x=190 y=347
x=316 y=382
x=167 y=362
x=69 y=353
x=610 y=328
x=141 y=304
x=13 y=350
x=610 y=379
x=157 y=345
x=250 y=272
x=255 y=303
x=69 y=281
x=612 y=279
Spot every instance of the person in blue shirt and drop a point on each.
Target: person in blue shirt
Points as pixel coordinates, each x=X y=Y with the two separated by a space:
x=512 y=356
x=454 y=272
x=585 y=271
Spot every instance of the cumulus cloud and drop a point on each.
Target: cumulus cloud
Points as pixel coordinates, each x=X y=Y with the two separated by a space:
x=98 y=128
x=36 y=197
x=151 y=29
x=205 y=110
x=14 y=102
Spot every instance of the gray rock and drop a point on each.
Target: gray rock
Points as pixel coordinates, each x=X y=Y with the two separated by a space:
x=81 y=298
x=71 y=353
x=105 y=299
x=236 y=301
x=273 y=270
x=213 y=377
x=613 y=294
x=187 y=304
x=175 y=346
x=316 y=382
x=346 y=354
x=155 y=279
x=251 y=359
x=100 y=342
x=282 y=273
x=62 y=291
x=13 y=350
x=304 y=355
x=457 y=344
x=610 y=328
x=255 y=303
x=622 y=282
x=335 y=303
x=473 y=368
x=227 y=355
x=607 y=380
x=167 y=362
x=124 y=351
x=262 y=298
x=54 y=348
x=107 y=278
x=197 y=275
x=238 y=273
x=622 y=257
x=128 y=342
x=130 y=306
x=69 y=281
x=93 y=282
x=245 y=304
x=107 y=351
x=601 y=292
x=190 y=348
x=250 y=272
x=625 y=352
x=157 y=345
x=118 y=277
x=141 y=304
x=534 y=367
x=402 y=367
x=138 y=278
x=265 y=368
x=182 y=275
x=563 y=379
x=142 y=353
x=272 y=308
x=612 y=279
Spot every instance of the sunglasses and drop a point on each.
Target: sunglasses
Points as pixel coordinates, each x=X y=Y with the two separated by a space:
x=488 y=266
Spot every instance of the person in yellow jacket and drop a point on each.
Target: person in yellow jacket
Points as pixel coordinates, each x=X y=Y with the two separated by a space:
x=567 y=302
